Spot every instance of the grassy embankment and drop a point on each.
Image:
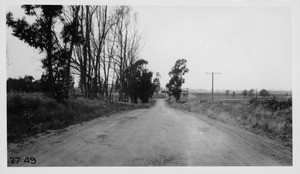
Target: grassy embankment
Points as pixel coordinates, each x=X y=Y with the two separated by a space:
x=30 y=114
x=270 y=117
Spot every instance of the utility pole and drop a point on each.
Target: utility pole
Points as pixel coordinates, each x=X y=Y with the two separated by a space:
x=212 y=84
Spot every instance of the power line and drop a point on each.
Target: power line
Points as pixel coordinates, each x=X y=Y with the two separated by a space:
x=212 y=82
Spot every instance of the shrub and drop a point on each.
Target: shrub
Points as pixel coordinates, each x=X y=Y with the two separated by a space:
x=272 y=104
x=264 y=93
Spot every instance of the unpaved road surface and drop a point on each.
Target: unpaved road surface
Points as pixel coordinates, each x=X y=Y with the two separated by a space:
x=156 y=136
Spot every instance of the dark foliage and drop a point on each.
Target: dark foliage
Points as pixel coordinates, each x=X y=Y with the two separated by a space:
x=139 y=82
x=41 y=35
x=25 y=84
x=264 y=93
x=133 y=74
x=145 y=88
x=245 y=92
x=176 y=81
x=272 y=104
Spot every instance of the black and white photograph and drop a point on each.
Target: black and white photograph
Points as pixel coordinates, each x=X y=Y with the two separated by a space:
x=190 y=87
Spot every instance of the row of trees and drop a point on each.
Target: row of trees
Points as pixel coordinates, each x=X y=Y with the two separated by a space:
x=100 y=44
x=250 y=93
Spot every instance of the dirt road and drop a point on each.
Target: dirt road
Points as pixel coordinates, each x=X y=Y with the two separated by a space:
x=156 y=136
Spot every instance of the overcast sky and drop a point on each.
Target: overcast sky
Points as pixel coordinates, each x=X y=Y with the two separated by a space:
x=249 y=46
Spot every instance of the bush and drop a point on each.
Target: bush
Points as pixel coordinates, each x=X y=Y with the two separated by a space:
x=272 y=104
x=264 y=93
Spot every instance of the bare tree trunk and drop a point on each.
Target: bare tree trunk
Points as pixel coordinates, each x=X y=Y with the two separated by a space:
x=74 y=24
x=101 y=38
x=85 y=56
x=50 y=58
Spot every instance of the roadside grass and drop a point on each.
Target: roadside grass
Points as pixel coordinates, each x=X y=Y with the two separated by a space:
x=33 y=113
x=271 y=117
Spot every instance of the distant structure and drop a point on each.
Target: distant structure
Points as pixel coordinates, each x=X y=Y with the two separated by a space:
x=185 y=93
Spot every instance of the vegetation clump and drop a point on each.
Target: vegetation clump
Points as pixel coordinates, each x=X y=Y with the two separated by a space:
x=268 y=117
x=30 y=114
x=273 y=104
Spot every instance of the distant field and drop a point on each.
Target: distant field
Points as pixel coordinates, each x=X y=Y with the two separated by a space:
x=238 y=96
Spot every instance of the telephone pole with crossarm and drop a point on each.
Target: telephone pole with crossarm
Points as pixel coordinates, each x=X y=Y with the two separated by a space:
x=212 y=81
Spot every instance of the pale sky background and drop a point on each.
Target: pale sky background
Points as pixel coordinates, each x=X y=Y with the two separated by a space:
x=250 y=46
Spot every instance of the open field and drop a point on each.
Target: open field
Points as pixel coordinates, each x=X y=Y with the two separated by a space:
x=269 y=117
x=238 y=96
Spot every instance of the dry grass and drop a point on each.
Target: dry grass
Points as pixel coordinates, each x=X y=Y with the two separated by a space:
x=257 y=117
x=30 y=114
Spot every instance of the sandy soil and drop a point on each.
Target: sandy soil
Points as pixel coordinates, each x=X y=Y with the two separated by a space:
x=156 y=136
